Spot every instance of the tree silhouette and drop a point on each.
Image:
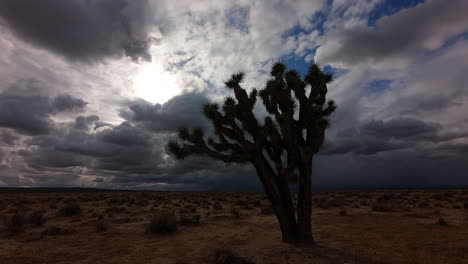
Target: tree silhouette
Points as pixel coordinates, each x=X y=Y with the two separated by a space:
x=281 y=148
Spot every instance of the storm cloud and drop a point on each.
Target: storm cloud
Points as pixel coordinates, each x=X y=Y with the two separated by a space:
x=82 y=30
x=182 y=110
x=31 y=114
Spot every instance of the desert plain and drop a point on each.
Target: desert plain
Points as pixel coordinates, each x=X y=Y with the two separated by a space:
x=99 y=226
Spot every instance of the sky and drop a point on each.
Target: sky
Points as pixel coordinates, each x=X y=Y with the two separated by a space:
x=91 y=91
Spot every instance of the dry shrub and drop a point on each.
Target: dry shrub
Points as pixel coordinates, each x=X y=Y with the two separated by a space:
x=247 y=207
x=442 y=222
x=117 y=210
x=241 y=202
x=217 y=206
x=387 y=197
x=164 y=221
x=37 y=218
x=257 y=203
x=364 y=202
x=190 y=208
x=56 y=231
x=323 y=203
x=337 y=201
x=266 y=210
x=381 y=207
x=424 y=205
x=227 y=257
x=189 y=219
x=343 y=212
x=101 y=225
x=14 y=223
x=70 y=208
x=235 y=212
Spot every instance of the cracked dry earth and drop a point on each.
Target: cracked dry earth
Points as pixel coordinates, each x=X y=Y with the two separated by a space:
x=349 y=227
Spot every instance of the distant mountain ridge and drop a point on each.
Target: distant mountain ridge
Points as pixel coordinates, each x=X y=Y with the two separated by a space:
x=54 y=189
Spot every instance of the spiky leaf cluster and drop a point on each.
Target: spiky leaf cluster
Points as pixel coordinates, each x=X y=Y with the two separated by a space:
x=295 y=129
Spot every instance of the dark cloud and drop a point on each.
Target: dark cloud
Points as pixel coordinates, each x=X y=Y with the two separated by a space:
x=56 y=180
x=378 y=136
x=7 y=137
x=408 y=169
x=26 y=86
x=399 y=128
x=196 y=173
x=399 y=37
x=80 y=29
x=132 y=153
x=125 y=134
x=98 y=180
x=47 y=157
x=361 y=146
x=184 y=110
x=66 y=102
x=30 y=114
x=80 y=143
x=455 y=148
x=84 y=122
x=120 y=149
x=25 y=114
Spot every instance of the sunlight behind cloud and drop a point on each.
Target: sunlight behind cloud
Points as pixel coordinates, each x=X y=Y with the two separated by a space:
x=154 y=84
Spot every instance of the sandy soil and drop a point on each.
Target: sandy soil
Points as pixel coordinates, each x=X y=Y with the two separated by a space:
x=349 y=227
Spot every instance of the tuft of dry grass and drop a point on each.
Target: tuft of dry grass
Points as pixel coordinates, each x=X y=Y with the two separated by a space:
x=56 y=231
x=163 y=222
x=442 y=222
x=343 y=212
x=14 y=224
x=381 y=207
x=266 y=210
x=37 y=218
x=217 y=206
x=189 y=219
x=235 y=212
x=70 y=208
x=101 y=225
x=228 y=257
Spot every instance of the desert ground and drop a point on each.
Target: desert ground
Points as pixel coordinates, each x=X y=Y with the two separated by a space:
x=86 y=226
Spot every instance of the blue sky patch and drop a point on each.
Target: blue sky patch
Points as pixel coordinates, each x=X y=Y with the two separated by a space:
x=390 y=7
x=379 y=85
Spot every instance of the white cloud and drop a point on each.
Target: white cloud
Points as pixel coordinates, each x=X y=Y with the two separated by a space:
x=396 y=40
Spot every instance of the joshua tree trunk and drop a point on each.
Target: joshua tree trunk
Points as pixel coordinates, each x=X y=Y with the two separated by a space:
x=280 y=198
x=304 y=205
x=284 y=140
x=279 y=195
x=287 y=221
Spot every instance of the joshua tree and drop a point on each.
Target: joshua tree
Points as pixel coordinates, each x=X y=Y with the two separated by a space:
x=280 y=148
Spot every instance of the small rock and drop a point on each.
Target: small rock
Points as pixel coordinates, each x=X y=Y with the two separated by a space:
x=343 y=212
x=33 y=236
x=442 y=222
x=227 y=257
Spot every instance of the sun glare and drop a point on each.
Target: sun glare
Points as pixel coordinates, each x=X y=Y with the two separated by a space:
x=155 y=85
